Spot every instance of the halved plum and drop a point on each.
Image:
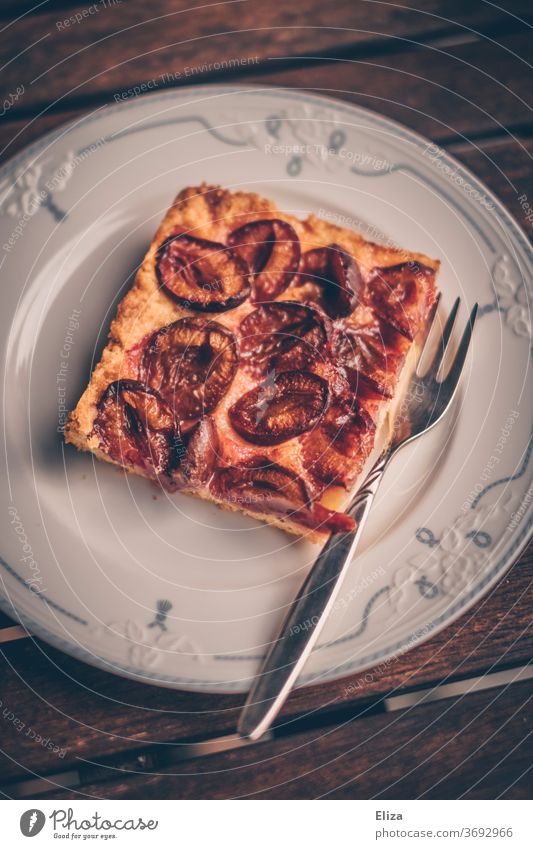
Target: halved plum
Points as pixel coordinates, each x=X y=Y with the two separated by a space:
x=199 y=461
x=346 y=432
x=271 y=248
x=259 y=482
x=336 y=275
x=371 y=354
x=191 y=363
x=402 y=295
x=282 y=335
x=285 y=405
x=136 y=428
x=265 y=487
x=202 y=275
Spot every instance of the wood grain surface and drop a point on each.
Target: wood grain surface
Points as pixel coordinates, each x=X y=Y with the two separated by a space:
x=460 y=748
x=455 y=72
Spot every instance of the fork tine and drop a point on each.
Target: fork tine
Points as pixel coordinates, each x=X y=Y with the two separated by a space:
x=430 y=324
x=426 y=333
x=452 y=378
x=432 y=371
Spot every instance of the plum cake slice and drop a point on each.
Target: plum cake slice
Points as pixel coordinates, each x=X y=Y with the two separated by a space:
x=254 y=359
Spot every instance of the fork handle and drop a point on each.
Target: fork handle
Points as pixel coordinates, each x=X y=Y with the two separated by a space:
x=307 y=615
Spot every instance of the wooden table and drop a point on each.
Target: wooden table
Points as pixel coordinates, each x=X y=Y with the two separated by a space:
x=456 y=72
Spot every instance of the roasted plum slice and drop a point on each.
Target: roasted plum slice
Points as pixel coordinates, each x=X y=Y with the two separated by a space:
x=265 y=487
x=402 y=295
x=202 y=275
x=271 y=249
x=346 y=432
x=136 y=428
x=371 y=354
x=282 y=335
x=261 y=484
x=281 y=407
x=336 y=275
x=191 y=363
x=200 y=457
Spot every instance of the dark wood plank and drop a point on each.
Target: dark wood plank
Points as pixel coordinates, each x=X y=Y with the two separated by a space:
x=436 y=93
x=12 y=9
x=477 y=746
x=432 y=92
x=90 y=714
x=6 y=621
x=15 y=134
x=505 y=166
x=125 y=44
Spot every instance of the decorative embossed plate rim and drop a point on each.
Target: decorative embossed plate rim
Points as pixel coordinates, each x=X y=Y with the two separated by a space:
x=324 y=155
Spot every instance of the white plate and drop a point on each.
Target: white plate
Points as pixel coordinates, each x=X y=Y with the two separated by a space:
x=172 y=590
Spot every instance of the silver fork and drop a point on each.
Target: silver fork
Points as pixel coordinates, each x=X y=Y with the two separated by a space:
x=427 y=398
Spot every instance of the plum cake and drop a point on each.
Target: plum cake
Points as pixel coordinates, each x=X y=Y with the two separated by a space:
x=254 y=359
